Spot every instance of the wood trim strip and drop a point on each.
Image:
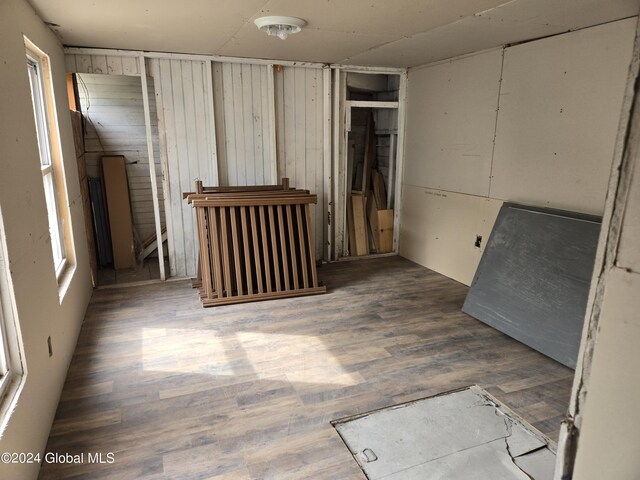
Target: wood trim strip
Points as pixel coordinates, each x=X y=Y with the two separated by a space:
x=256 y=249
x=213 y=222
x=274 y=248
x=303 y=248
x=292 y=251
x=247 y=252
x=311 y=246
x=236 y=251
x=265 y=249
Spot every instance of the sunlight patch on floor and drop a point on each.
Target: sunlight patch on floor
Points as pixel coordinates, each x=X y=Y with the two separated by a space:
x=303 y=359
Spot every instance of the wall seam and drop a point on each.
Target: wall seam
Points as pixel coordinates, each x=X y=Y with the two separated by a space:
x=495 y=127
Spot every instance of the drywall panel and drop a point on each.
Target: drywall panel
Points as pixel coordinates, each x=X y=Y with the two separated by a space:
x=439 y=230
x=609 y=439
x=40 y=312
x=300 y=123
x=559 y=107
x=114 y=125
x=451 y=115
x=629 y=253
x=186 y=126
x=533 y=279
x=243 y=124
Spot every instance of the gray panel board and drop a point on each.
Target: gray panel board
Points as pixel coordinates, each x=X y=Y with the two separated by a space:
x=533 y=279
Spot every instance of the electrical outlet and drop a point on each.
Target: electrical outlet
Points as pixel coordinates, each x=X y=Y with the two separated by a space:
x=478 y=242
x=50 y=346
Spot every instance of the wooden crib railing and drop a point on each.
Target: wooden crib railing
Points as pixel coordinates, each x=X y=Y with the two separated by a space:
x=255 y=244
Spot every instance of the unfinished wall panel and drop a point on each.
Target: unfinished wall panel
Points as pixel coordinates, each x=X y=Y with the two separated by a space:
x=114 y=125
x=187 y=149
x=451 y=117
x=102 y=64
x=299 y=118
x=553 y=143
x=243 y=124
x=559 y=153
x=439 y=230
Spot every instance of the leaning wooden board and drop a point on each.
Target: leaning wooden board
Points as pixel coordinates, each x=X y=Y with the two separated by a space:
x=533 y=279
x=116 y=187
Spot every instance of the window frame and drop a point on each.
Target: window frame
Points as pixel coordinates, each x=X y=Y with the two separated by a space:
x=51 y=163
x=12 y=368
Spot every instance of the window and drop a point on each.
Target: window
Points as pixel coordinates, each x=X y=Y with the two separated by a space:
x=50 y=156
x=4 y=366
x=11 y=367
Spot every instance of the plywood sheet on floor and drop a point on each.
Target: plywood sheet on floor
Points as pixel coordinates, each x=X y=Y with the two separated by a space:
x=459 y=435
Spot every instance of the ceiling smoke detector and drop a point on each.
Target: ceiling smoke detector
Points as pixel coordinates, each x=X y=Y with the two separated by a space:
x=280 y=27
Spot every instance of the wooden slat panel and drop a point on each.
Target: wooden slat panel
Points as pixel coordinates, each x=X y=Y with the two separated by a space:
x=283 y=248
x=265 y=248
x=247 y=252
x=303 y=247
x=247 y=126
x=256 y=248
x=292 y=244
x=309 y=240
x=236 y=251
x=300 y=120
x=266 y=239
x=205 y=257
x=215 y=244
x=181 y=98
x=274 y=248
x=226 y=260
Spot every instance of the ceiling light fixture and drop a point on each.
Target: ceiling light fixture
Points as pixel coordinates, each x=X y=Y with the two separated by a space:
x=280 y=27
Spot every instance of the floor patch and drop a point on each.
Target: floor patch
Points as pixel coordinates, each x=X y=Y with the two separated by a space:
x=465 y=434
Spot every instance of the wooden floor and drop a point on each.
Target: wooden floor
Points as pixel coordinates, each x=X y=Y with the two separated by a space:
x=176 y=391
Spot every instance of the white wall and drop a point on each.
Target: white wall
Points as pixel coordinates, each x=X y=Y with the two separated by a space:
x=243 y=124
x=604 y=410
x=300 y=134
x=537 y=128
x=184 y=103
x=40 y=312
x=451 y=122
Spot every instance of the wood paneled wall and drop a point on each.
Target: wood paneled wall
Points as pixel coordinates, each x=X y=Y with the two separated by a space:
x=226 y=138
x=185 y=119
x=299 y=118
x=102 y=64
x=114 y=125
x=243 y=124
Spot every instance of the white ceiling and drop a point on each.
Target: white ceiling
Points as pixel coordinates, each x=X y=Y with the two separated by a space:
x=394 y=33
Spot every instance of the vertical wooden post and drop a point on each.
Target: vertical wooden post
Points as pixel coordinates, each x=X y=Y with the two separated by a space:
x=152 y=166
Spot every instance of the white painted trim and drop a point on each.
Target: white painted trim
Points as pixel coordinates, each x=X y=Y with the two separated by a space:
x=336 y=159
x=368 y=69
x=392 y=168
x=370 y=104
x=152 y=165
x=189 y=56
x=222 y=58
x=402 y=100
x=273 y=145
x=215 y=169
x=328 y=216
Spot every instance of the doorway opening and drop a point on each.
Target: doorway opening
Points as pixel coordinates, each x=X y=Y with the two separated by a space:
x=115 y=177
x=370 y=153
